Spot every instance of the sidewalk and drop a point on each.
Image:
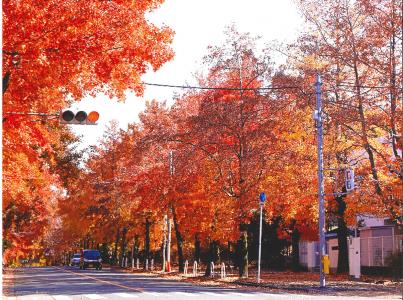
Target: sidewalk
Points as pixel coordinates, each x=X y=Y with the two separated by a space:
x=294 y=282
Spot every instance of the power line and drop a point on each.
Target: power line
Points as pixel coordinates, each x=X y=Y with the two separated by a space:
x=254 y=89
x=220 y=88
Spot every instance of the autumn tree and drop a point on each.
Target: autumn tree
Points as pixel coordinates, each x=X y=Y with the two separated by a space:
x=353 y=44
x=55 y=53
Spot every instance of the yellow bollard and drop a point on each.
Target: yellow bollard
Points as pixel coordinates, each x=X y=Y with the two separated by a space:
x=326 y=264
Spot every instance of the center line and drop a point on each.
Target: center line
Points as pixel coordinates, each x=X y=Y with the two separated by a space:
x=103 y=281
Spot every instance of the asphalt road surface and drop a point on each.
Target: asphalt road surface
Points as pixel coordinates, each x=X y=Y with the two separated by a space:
x=70 y=283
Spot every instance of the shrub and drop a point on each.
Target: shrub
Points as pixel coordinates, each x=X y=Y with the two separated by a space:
x=394 y=264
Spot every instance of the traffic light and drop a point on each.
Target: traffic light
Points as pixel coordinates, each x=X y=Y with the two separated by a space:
x=80 y=118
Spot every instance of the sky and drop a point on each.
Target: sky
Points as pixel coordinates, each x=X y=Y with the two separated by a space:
x=197 y=24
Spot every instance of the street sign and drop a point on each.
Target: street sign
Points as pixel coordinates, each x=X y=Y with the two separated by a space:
x=262 y=197
x=349 y=177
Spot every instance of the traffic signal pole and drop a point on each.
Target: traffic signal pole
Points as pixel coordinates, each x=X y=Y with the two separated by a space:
x=319 y=127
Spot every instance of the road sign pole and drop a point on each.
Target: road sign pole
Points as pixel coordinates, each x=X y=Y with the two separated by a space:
x=260 y=242
x=319 y=127
x=262 y=198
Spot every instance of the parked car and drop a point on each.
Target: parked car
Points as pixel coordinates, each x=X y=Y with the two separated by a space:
x=91 y=258
x=75 y=260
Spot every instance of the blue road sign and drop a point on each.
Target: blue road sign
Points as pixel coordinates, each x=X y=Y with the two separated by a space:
x=262 y=197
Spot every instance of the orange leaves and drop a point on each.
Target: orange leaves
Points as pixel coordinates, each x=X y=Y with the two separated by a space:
x=55 y=52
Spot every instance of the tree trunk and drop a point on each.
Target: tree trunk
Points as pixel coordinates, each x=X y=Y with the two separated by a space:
x=115 y=250
x=243 y=254
x=229 y=252
x=147 y=240
x=197 y=249
x=104 y=252
x=342 y=261
x=136 y=247
x=6 y=80
x=213 y=256
x=179 y=241
x=295 y=237
x=123 y=247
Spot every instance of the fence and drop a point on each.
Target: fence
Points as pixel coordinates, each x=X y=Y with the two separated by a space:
x=376 y=250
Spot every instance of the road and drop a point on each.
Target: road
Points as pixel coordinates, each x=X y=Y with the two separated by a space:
x=69 y=283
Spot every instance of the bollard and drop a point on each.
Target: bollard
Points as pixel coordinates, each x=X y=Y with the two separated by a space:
x=185 y=269
x=223 y=275
x=195 y=269
x=152 y=264
x=212 y=270
x=146 y=264
x=125 y=262
x=132 y=264
x=138 y=264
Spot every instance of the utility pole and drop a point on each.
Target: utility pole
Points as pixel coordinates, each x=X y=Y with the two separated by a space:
x=319 y=127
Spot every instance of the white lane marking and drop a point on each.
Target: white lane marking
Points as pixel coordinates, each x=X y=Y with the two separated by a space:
x=125 y=295
x=186 y=294
x=31 y=297
x=241 y=294
x=154 y=294
x=61 y=297
x=214 y=294
x=94 y=296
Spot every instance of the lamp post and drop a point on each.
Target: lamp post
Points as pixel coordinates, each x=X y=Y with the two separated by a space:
x=262 y=198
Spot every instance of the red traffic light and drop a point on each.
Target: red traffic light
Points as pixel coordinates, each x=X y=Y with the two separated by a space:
x=93 y=116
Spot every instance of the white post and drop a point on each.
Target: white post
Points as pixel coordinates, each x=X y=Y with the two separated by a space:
x=195 y=268
x=146 y=264
x=212 y=269
x=152 y=264
x=138 y=264
x=260 y=242
x=223 y=275
x=164 y=245
x=185 y=269
x=168 y=269
x=132 y=263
